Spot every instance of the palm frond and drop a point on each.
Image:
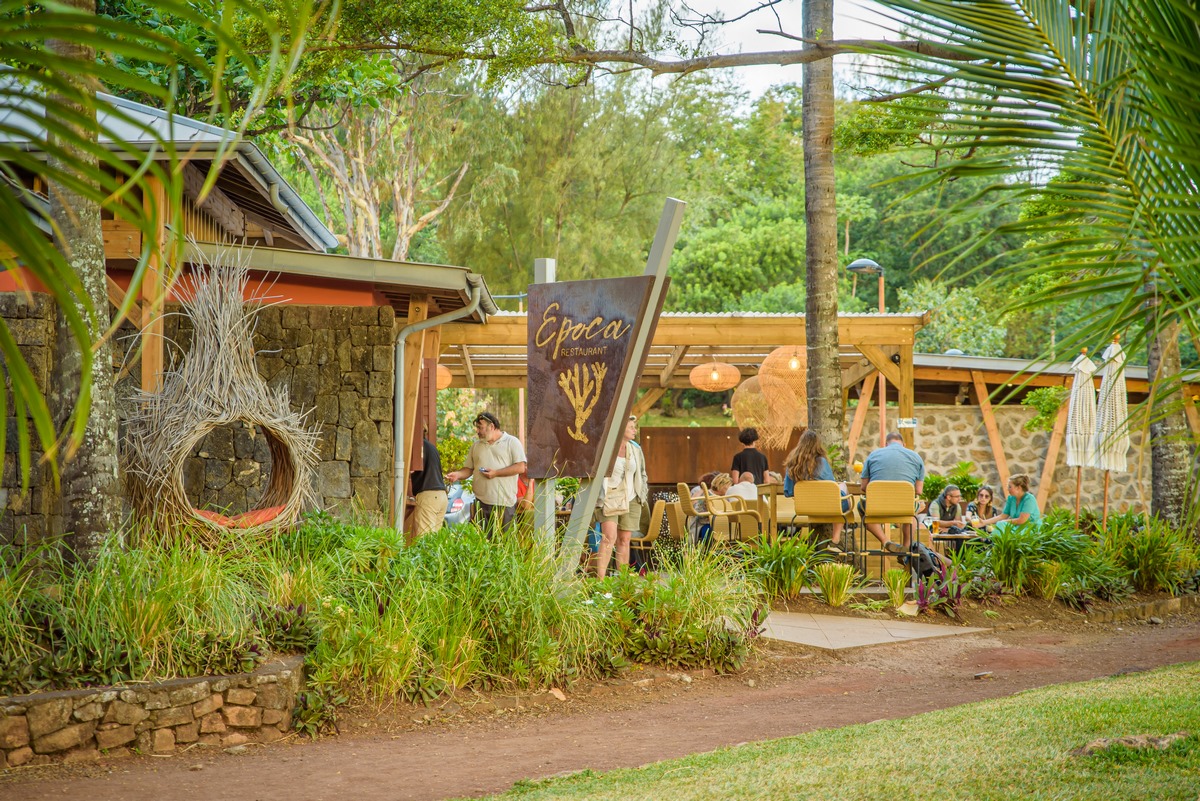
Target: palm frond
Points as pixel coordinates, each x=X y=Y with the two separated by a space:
x=43 y=132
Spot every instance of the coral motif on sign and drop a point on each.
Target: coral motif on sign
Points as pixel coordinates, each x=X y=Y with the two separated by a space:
x=579 y=389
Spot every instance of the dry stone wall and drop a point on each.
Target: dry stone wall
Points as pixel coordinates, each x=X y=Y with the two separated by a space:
x=24 y=514
x=336 y=363
x=162 y=718
x=947 y=435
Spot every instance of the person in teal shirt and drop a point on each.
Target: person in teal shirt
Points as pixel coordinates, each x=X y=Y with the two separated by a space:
x=1020 y=506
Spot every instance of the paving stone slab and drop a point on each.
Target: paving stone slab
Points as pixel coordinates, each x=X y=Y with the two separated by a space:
x=831 y=632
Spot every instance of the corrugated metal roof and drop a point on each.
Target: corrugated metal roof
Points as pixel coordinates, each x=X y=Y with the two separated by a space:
x=150 y=130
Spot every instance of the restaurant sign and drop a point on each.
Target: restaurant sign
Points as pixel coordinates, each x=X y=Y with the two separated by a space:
x=581 y=336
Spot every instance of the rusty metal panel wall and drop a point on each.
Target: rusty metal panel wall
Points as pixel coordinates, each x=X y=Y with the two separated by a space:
x=684 y=454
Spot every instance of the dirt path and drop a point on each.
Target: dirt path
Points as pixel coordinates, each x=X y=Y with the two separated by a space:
x=785 y=693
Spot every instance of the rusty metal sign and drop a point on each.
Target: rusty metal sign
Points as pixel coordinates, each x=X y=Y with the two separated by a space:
x=580 y=343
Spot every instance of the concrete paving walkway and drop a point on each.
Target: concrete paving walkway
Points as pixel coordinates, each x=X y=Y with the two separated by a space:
x=832 y=633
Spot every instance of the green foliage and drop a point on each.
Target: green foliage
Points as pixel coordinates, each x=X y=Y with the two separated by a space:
x=1157 y=556
x=835 y=581
x=783 y=567
x=700 y=611
x=1047 y=401
x=961 y=476
x=961 y=319
x=896 y=580
x=760 y=246
x=374 y=618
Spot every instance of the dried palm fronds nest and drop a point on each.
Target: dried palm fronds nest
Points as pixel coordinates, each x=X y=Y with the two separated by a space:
x=217 y=384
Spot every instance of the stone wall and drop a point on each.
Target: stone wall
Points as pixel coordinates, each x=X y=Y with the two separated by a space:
x=220 y=711
x=24 y=515
x=947 y=435
x=336 y=362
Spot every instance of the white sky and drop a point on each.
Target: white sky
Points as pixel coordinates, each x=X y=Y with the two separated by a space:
x=853 y=19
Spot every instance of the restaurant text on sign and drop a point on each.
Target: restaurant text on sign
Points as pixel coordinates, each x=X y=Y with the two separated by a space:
x=552 y=329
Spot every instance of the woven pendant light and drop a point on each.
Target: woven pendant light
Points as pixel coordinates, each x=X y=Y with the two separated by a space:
x=444 y=376
x=714 y=376
x=767 y=404
x=789 y=366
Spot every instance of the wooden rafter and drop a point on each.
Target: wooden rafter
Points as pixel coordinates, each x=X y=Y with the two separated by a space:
x=860 y=414
x=677 y=355
x=989 y=422
x=1056 y=438
x=469 y=368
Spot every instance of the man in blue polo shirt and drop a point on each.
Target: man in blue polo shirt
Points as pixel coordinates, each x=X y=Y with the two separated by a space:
x=893 y=462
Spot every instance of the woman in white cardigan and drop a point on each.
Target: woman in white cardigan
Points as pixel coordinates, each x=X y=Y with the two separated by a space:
x=620 y=510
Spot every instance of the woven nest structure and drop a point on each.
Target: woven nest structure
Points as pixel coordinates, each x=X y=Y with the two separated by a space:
x=767 y=404
x=217 y=384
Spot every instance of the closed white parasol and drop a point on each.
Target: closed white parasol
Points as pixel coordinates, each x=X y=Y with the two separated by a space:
x=1112 y=417
x=1081 y=420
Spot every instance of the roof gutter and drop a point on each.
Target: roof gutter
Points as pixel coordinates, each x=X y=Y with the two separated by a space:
x=283 y=198
x=400 y=460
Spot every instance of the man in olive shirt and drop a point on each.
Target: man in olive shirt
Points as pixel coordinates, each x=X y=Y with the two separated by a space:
x=495 y=460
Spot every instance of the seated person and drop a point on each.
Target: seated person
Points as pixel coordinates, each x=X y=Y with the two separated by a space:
x=1020 y=506
x=717 y=483
x=982 y=508
x=745 y=489
x=892 y=462
x=945 y=511
x=945 y=516
x=808 y=461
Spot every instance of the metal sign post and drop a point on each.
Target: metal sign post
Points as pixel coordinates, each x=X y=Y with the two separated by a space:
x=544 y=521
x=656 y=266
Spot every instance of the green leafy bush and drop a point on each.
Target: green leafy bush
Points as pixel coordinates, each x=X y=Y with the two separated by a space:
x=961 y=477
x=835 y=581
x=783 y=567
x=1157 y=556
x=699 y=611
x=374 y=618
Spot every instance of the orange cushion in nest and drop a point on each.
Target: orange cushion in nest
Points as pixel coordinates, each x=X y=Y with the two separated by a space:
x=255 y=517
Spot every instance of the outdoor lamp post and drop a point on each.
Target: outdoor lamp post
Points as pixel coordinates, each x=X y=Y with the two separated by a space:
x=869 y=267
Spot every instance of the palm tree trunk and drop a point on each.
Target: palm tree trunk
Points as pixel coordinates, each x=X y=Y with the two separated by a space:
x=1170 y=461
x=825 y=413
x=91 y=500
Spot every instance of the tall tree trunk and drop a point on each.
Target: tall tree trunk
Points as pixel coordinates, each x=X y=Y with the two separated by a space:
x=91 y=500
x=825 y=413
x=1170 y=461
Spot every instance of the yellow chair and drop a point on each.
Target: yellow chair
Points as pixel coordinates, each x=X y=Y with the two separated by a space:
x=890 y=503
x=644 y=543
x=820 y=502
x=738 y=518
x=686 y=505
x=676 y=522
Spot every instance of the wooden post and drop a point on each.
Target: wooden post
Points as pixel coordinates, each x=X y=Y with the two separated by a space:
x=414 y=350
x=860 y=417
x=989 y=422
x=1056 y=438
x=154 y=202
x=907 y=394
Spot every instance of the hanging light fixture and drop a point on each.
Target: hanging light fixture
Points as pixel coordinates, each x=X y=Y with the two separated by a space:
x=444 y=376
x=714 y=376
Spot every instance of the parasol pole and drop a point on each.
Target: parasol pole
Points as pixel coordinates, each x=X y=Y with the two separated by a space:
x=1079 y=468
x=1104 y=519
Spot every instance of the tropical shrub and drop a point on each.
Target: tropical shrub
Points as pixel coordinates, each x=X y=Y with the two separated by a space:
x=1157 y=556
x=700 y=610
x=373 y=617
x=835 y=581
x=896 y=581
x=783 y=567
x=961 y=477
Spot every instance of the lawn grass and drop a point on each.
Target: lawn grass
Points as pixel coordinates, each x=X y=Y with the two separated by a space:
x=1015 y=747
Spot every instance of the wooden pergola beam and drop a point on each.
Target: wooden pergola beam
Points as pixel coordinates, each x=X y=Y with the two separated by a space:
x=860 y=415
x=676 y=357
x=989 y=422
x=469 y=368
x=414 y=352
x=647 y=401
x=153 y=291
x=1056 y=438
